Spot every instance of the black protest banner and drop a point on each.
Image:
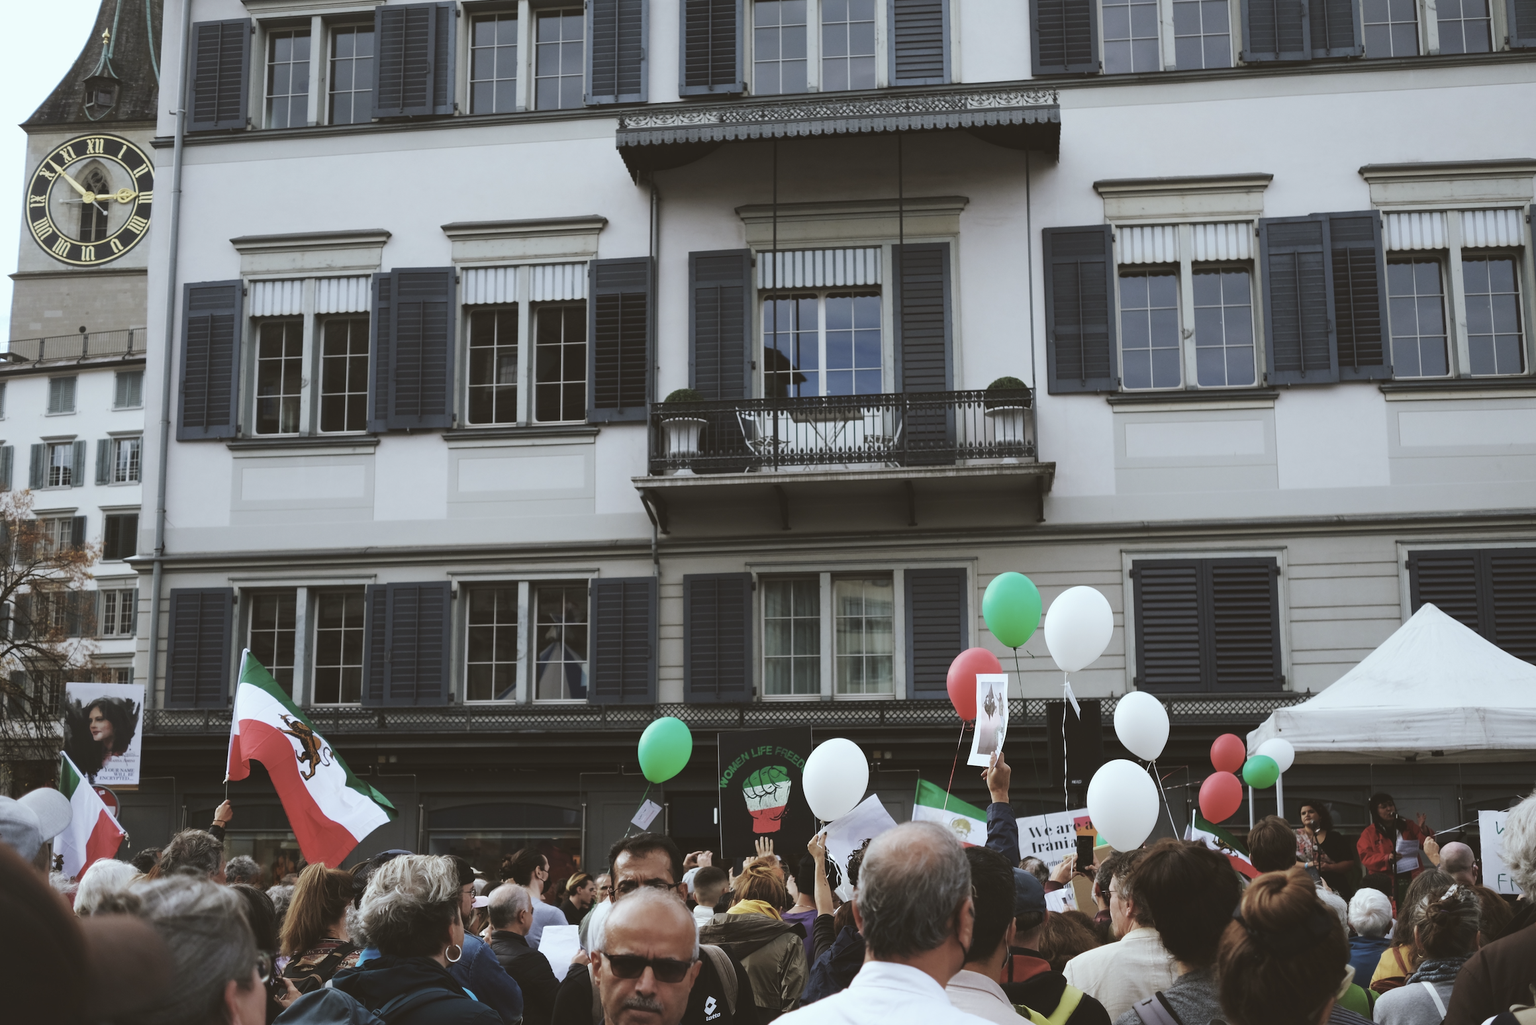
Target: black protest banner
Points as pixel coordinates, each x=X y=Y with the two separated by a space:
x=761 y=793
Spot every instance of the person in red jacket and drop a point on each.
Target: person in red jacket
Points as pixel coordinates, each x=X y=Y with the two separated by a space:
x=1378 y=844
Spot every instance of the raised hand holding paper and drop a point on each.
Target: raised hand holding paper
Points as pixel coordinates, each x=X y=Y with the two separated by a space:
x=991 y=718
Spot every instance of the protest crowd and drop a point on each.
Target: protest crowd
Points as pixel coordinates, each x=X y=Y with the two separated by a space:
x=1321 y=931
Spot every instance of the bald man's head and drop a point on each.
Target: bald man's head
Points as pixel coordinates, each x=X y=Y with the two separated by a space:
x=1457 y=860
x=646 y=959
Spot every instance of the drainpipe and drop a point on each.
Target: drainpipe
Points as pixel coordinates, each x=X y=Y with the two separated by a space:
x=170 y=348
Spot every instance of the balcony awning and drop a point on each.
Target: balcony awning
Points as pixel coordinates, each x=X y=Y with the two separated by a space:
x=659 y=138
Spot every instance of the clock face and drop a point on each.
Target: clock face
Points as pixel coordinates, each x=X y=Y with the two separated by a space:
x=89 y=200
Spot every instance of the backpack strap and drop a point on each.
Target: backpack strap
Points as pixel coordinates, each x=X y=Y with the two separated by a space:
x=726 y=969
x=1434 y=994
x=1155 y=1010
x=397 y=1009
x=1071 y=997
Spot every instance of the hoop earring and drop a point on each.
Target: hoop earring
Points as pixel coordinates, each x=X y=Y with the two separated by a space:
x=455 y=958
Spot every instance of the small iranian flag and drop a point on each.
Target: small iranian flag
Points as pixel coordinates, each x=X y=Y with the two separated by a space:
x=1222 y=842
x=92 y=833
x=932 y=804
x=329 y=809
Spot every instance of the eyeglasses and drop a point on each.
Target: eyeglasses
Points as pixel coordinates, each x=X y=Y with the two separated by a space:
x=632 y=966
x=629 y=886
x=263 y=966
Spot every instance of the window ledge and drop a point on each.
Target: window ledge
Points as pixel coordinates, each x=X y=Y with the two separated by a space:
x=461 y=434
x=1260 y=397
x=303 y=441
x=1451 y=387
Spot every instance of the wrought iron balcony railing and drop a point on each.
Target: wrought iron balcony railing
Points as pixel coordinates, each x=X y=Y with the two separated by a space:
x=842 y=431
x=84 y=345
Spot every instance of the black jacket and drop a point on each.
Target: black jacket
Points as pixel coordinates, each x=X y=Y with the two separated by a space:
x=377 y=982
x=573 y=1004
x=1041 y=989
x=530 y=970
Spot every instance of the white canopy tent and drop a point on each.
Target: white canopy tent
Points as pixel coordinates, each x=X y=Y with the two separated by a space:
x=1434 y=689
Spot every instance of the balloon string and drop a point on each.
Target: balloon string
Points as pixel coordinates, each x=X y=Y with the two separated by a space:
x=1066 y=798
x=953 y=766
x=642 y=805
x=1034 y=766
x=1157 y=774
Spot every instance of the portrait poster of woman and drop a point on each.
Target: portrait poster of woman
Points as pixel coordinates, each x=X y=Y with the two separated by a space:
x=103 y=731
x=991 y=718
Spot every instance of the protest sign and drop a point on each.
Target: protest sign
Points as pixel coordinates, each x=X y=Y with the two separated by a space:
x=761 y=795
x=991 y=718
x=103 y=731
x=558 y=944
x=848 y=834
x=1496 y=875
x=1051 y=837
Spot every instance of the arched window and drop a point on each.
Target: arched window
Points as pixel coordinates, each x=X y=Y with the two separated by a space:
x=93 y=216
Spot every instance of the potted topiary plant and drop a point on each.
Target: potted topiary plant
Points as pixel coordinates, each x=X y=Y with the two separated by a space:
x=681 y=426
x=1006 y=400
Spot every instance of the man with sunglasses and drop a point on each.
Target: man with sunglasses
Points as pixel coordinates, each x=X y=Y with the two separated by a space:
x=648 y=961
x=651 y=862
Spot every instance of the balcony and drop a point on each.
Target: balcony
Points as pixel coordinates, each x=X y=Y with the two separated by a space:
x=84 y=345
x=661 y=137
x=845 y=462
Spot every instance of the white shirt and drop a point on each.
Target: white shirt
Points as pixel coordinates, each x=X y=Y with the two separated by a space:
x=976 y=994
x=885 y=994
x=1124 y=973
x=543 y=914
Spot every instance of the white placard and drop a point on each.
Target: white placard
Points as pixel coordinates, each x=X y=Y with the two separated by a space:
x=647 y=814
x=1491 y=825
x=848 y=834
x=1051 y=837
x=1059 y=900
x=104 y=731
x=559 y=944
x=991 y=718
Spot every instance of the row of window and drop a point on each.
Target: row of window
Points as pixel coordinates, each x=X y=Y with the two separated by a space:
x=520 y=55
x=62 y=464
x=1411 y=295
x=119 y=533
x=1200 y=625
x=127 y=392
x=106 y=613
x=1138 y=36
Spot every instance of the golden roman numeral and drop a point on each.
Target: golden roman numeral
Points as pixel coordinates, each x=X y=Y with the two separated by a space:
x=96 y=146
x=37 y=200
x=68 y=153
x=147 y=197
x=117 y=247
x=141 y=171
x=41 y=229
x=48 y=172
x=61 y=247
x=87 y=253
x=136 y=224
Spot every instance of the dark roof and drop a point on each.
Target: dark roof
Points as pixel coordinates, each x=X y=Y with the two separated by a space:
x=132 y=56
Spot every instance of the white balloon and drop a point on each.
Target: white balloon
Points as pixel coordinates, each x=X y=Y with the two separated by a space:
x=1122 y=801
x=835 y=778
x=52 y=809
x=1141 y=723
x=1280 y=750
x=1078 y=627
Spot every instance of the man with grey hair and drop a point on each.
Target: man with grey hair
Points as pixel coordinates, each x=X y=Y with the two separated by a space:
x=242 y=868
x=511 y=911
x=914 y=910
x=1502 y=973
x=195 y=851
x=646 y=960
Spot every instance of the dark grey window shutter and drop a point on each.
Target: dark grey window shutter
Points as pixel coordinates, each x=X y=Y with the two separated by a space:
x=1359 y=295
x=198 y=653
x=1079 y=309
x=7 y=466
x=221 y=51
x=1167 y=617
x=1064 y=36
x=378 y=355
x=413 y=652
x=937 y=628
x=617 y=33
x=77 y=533
x=104 y=461
x=1491 y=590
x=133 y=620
x=1511 y=589
x=1522 y=24
x=375 y=664
x=37 y=470
x=711 y=47
x=1448 y=581
x=1276 y=30
x=421 y=348
x=413 y=72
x=717 y=637
x=923 y=317
x=1298 y=300
x=720 y=323
x=919 y=41
x=210 y=364
x=77 y=465
x=623 y=642
x=1245 y=625
x=1335 y=28
x=1207 y=625
x=21 y=617
x=619 y=339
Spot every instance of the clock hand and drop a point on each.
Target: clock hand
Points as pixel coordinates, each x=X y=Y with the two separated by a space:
x=84 y=192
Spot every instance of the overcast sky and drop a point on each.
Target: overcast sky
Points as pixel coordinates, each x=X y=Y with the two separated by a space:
x=38 y=43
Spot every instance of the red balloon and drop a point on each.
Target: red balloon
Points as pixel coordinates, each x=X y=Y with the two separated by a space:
x=1220 y=796
x=962 y=678
x=1228 y=754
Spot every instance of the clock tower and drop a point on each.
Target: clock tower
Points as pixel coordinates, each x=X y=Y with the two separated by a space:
x=88 y=199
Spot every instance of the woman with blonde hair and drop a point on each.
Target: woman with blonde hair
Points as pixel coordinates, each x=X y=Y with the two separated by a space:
x=771 y=949
x=1283 y=959
x=314 y=936
x=1446 y=938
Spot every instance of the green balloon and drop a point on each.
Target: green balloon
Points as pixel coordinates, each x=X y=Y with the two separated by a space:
x=665 y=747
x=1011 y=608
x=1260 y=772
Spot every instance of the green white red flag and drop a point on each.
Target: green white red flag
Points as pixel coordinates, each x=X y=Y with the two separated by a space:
x=92 y=833
x=1222 y=842
x=932 y=804
x=329 y=808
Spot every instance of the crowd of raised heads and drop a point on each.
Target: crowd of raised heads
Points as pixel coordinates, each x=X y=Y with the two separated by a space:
x=931 y=933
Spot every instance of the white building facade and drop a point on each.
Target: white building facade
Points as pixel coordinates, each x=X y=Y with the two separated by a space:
x=439 y=265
